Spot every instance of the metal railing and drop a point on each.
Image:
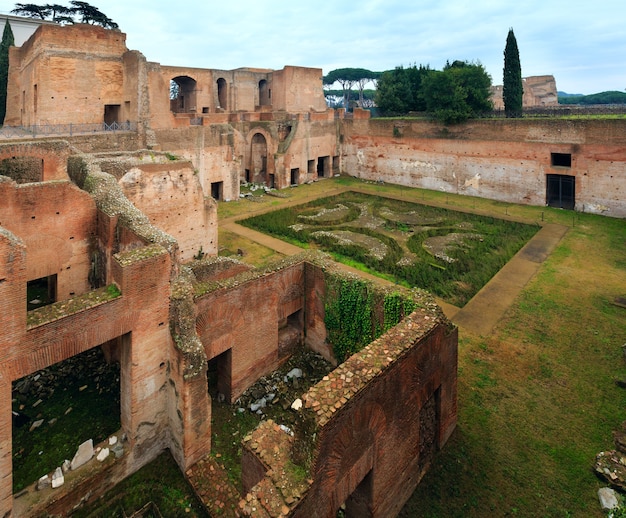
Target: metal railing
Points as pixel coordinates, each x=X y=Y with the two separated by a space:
x=40 y=130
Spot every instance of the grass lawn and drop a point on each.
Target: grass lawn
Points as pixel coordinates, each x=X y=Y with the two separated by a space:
x=537 y=398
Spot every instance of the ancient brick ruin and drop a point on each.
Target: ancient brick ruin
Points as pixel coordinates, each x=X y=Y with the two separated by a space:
x=539 y=91
x=124 y=194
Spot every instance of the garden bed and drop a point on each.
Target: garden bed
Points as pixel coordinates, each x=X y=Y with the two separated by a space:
x=452 y=254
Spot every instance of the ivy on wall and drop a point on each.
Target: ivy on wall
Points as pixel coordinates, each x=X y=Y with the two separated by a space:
x=356 y=313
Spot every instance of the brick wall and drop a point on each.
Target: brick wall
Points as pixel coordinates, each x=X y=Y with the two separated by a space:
x=244 y=317
x=172 y=198
x=56 y=222
x=501 y=160
x=374 y=424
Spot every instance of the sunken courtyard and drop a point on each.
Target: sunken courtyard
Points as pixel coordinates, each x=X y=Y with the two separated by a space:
x=109 y=264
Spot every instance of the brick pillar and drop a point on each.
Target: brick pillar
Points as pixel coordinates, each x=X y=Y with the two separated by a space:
x=6 y=448
x=143 y=275
x=13 y=326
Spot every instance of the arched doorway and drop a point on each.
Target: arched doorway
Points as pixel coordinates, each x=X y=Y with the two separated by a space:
x=258 y=161
x=265 y=94
x=182 y=94
x=222 y=94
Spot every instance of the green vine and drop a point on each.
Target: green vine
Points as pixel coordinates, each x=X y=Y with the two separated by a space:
x=348 y=317
x=356 y=313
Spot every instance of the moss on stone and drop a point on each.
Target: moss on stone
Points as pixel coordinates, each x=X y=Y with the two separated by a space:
x=65 y=308
x=129 y=257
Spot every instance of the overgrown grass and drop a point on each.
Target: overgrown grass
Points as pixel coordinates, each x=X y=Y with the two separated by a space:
x=160 y=482
x=537 y=399
x=233 y=245
x=484 y=245
x=84 y=405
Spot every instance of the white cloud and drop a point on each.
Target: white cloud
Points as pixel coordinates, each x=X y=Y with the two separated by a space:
x=581 y=45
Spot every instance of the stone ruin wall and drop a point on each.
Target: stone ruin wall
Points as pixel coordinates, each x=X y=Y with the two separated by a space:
x=538 y=91
x=505 y=160
x=55 y=227
x=170 y=195
x=397 y=395
x=56 y=224
x=83 y=72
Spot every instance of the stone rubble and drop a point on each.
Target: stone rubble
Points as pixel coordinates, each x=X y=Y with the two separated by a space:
x=83 y=455
x=58 y=479
x=103 y=454
x=43 y=483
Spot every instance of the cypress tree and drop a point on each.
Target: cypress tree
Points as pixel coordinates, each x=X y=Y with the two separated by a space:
x=7 y=41
x=512 y=86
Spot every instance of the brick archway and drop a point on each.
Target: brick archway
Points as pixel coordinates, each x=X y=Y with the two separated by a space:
x=259 y=162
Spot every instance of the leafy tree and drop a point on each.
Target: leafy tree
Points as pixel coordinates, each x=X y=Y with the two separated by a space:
x=400 y=91
x=459 y=92
x=445 y=99
x=32 y=10
x=84 y=12
x=59 y=13
x=334 y=98
x=92 y=15
x=366 y=76
x=7 y=41
x=610 y=97
x=347 y=78
x=512 y=86
x=393 y=92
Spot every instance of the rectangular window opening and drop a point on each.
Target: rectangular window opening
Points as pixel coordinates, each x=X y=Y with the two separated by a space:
x=41 y=292
x=561 y=159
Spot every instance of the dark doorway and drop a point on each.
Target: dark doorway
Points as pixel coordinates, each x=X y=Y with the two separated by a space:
x=295 y=176
x=41 y=292
x=183 y=94
x=111 y=114
x=217 y=190
x=561 y=191
x=323 y=167
x=358 y=504
x=219 y=375
x=258 y=159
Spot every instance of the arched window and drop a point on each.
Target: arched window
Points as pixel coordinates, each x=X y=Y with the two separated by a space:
x=265 y=94
x=183 y=94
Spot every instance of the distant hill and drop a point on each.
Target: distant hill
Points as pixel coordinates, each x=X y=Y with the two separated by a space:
x=611 y=97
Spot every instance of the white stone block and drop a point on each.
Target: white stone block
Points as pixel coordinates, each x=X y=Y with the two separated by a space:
x=83 y=454
x=104 y=453
x=57 y=478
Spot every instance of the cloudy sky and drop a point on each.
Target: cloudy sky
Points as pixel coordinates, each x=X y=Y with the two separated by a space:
x=583 y=44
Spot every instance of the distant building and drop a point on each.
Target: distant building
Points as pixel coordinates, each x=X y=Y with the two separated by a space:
x=22 y=27
x=538 y=91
